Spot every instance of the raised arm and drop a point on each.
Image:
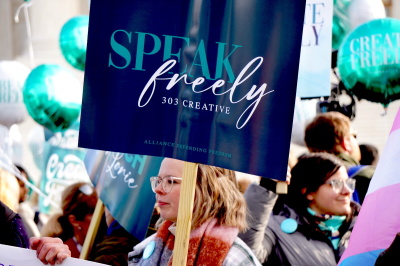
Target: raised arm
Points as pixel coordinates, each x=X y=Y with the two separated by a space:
x=260 y=203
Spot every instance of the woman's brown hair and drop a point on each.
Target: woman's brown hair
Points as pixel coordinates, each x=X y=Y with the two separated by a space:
x=78 y=199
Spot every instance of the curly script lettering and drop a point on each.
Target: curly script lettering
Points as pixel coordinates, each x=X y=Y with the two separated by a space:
x=115 y=168
x=71 y=167
x=61 y=173
x=121 y=42
x=254 y=94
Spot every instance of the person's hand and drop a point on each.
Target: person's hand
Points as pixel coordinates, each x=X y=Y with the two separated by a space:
x=288 y=175
x=275 y=185
x=50 y=250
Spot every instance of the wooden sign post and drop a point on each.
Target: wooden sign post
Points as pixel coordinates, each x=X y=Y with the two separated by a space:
x=92 y=231
x=185 y=211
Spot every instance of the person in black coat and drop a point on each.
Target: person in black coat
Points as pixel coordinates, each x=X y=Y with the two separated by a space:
x=12 y=230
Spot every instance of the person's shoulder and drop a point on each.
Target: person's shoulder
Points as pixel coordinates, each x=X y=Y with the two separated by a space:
x=240 y=254
x=366 y=171
x=347 y=160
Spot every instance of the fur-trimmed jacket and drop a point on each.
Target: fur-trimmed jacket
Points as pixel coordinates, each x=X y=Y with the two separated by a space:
x=239 y=254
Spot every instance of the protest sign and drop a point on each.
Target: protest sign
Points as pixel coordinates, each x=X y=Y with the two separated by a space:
x=212 y=82
x=13 y=256
x=315 y=57
x=123 y=184
x=62 y=166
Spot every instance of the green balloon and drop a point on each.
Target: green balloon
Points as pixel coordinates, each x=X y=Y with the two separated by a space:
x=369 y=61
x=73 y=41
x=340 y=22
x=53 y=96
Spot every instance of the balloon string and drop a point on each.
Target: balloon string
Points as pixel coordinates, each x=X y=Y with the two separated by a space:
x=25 y=5
x=37 y=190
x=7 y=165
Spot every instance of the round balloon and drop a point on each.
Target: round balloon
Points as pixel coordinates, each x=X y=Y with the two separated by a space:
x=349 y=14
x=53 y=97
x=340 y=22
x=362 y=11
x=73 y=40
x=369 y=61
x=12 y=78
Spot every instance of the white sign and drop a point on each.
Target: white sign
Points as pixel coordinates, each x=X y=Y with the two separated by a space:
x=13 y=256
x=316 y=50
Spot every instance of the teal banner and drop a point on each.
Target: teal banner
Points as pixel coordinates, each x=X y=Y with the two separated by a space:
x=123 y=184
x=62 y=166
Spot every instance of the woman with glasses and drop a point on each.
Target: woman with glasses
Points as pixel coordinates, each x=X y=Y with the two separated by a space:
x=219 y=214
x=311 y=225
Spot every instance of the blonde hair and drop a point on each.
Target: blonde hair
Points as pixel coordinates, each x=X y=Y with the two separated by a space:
x=53 y=227
x=217 y=196
x=9 y=190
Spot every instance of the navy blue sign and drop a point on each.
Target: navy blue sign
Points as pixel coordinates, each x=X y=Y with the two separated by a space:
x=207 y=81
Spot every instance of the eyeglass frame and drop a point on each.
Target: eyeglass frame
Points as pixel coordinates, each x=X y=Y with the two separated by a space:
x=153 y=179
x=333 y=183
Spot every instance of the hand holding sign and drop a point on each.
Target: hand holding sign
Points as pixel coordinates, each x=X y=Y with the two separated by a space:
x=50 y=250
x=10 y=255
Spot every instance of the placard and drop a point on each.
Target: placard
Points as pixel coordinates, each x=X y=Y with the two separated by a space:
x=316 y=50
x=212 y=82
x=14 y=256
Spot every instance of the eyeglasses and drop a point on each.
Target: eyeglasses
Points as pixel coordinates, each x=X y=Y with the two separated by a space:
x=337 y=184
x=166 y=181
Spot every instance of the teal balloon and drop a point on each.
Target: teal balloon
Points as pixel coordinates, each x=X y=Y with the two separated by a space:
x=53 y=97
x=73 y=41
x=369 y=61
x=340 y=22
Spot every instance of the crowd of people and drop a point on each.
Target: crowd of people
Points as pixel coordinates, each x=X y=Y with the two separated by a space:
x=233 y=223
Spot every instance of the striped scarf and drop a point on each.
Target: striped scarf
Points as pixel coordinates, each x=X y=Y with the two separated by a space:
x=209 y=244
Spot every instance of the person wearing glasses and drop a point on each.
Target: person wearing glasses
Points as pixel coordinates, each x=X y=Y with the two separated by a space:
x=331 y=132
x=219 y=214
x=310 y=225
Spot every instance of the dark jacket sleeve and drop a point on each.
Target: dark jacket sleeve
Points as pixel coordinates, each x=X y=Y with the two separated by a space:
x=260 y=203
x=391 y=254
x=12 y=230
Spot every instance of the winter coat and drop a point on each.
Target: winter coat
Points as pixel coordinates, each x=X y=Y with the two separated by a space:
x=12 y=230
x=307 y=245
x=239 y=254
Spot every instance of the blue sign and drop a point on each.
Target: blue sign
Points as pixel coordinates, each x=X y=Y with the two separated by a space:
x=212 y=82
x=123 y=184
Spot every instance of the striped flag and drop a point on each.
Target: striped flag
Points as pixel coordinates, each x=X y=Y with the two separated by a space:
x=379 y=219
